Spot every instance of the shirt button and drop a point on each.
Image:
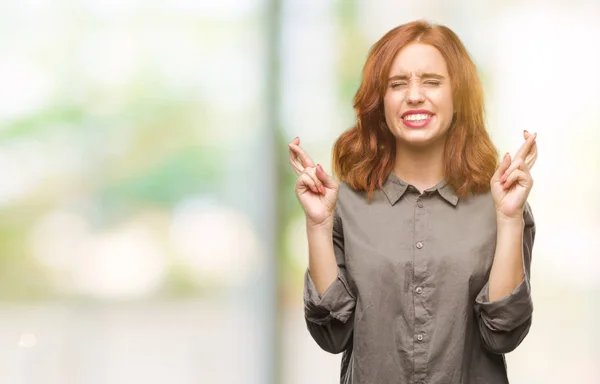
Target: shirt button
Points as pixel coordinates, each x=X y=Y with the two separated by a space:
x=420 y=203
x=419 y=290
x=420 y=337
x=419 y=245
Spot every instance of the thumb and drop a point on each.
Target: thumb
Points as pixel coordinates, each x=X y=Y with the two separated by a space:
x=504 y=164
x=327 y=180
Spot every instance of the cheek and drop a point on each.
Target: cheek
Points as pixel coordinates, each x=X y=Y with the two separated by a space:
x=448 y=101
x=444 y=104
x=391 y=106
x=392 y=102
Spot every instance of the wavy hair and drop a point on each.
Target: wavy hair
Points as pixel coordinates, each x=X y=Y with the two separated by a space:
x=364 y=155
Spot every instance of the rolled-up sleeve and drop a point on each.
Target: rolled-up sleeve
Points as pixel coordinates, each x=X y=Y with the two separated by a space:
x=329 y=317
x=504 y=323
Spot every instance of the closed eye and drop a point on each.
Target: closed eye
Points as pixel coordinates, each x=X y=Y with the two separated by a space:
x=398 y=84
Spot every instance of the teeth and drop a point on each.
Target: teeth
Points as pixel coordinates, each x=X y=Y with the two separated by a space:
x=417 y=117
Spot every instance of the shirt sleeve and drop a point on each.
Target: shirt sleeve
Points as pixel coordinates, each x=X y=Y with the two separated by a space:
x=504 y=323
x=329 y=318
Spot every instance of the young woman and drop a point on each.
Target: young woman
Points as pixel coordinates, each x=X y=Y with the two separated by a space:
x=419 y=259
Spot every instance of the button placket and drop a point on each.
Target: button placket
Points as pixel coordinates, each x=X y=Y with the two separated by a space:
x=421 y=302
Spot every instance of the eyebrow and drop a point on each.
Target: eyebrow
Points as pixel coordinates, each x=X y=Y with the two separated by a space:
x=426 y=75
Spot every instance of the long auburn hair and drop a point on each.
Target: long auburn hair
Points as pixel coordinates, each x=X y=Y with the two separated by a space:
x=364 y=155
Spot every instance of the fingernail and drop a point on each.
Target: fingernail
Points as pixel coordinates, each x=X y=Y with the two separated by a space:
x=535 y=135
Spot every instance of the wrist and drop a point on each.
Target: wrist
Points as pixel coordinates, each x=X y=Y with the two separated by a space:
x=509 y=221
x=325 y=226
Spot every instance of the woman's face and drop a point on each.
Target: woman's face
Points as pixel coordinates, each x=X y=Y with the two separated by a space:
x=418 y=99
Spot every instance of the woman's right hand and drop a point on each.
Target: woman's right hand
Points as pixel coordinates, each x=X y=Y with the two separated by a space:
x=315 y=189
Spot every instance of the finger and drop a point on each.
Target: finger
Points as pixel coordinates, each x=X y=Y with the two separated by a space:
x=304 y=158
x=518 y=176
x=298 y=168
x=311 y=171
x=532 y=156
x=305 y=181
x=516 y=164
x=526 y=147
x=504 y=164
x=296 y=164
x=327 y=180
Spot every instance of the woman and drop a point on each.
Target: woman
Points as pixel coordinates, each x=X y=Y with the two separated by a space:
x=419 y=260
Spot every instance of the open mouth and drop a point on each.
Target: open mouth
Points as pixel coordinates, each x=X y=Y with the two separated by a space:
x=420 y=117
x=417 y=120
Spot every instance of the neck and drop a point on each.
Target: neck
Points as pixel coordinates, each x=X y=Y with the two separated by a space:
x=421 y=167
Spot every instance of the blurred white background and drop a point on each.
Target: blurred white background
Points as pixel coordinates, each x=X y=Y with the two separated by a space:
x=149 y=230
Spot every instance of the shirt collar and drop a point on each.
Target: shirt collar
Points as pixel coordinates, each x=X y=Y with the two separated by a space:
x=394 y=189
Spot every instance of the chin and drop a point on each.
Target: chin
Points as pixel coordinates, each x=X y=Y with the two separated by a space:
x=418 y=139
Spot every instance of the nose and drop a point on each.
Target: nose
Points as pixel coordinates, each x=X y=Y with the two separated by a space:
x=414 y=95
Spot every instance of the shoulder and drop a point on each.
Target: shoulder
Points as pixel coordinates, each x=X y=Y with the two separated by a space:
x=351 y=203
x=349 y=197
x=478 y=202
x=484 y=203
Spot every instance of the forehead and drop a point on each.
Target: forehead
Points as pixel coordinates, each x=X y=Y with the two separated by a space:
x=418 y=58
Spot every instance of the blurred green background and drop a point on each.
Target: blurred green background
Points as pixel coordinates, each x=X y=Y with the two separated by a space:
x=149 y=230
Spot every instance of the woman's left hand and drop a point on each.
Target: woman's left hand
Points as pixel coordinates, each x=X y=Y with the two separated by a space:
x=512 y=181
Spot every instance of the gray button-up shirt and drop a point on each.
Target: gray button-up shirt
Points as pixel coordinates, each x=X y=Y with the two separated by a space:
x=410 y=304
